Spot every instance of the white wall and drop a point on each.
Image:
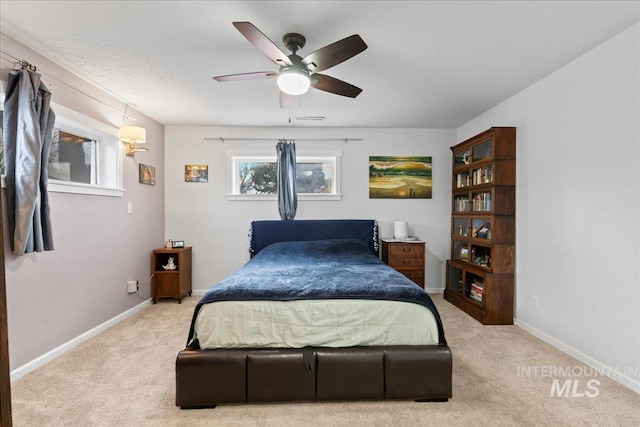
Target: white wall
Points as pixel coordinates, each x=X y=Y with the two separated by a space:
x=577 y=202
x=54 y=297
x=201 y=215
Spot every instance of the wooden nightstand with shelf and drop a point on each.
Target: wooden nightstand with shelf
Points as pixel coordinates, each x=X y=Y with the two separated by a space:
x=408 y=257
x=171 y=282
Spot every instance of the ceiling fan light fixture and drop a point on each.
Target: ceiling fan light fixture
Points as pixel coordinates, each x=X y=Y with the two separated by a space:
x=294 y=81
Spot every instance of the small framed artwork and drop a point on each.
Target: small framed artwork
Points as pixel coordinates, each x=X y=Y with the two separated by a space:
x=464 y=253
x=147 y=174
x=196 y=173
x=177 y=244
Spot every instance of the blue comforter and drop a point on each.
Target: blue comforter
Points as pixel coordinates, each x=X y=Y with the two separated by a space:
x=321 y=269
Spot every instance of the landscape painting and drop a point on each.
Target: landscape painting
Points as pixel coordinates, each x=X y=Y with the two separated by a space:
x=394 y=177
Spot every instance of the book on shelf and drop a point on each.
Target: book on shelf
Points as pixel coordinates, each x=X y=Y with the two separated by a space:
x=482 y=202
x=475 y=296
x=482 y=175
x=477 y=288
x=462 y=180
x=461 y=204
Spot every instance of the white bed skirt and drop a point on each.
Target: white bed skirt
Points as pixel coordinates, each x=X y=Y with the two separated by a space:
x=323 y=323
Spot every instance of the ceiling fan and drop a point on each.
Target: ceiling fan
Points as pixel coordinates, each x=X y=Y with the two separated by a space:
x=297 y=74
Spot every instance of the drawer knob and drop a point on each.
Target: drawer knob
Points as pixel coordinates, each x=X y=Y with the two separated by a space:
x=406 y=249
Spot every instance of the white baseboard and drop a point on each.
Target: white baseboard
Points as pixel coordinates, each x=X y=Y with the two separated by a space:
x=609 y=371
x=58 y=351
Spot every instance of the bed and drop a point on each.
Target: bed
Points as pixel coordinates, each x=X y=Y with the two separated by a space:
x=313 y=316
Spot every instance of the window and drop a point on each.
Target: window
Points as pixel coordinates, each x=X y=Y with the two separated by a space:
x=256 y=176
x=88 y=158
x=85 y=155
x=72 y=157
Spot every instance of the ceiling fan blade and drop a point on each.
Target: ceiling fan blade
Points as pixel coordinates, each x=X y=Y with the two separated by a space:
x=286 y=100
x=335 y=53
x=262 y=43
x=333 y=85
x=246 y=76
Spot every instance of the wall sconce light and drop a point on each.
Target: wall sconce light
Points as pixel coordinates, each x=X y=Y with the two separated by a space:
x=132 y=136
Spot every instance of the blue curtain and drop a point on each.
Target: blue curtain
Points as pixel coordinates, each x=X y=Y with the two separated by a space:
x=287 y=187
x=28 y=130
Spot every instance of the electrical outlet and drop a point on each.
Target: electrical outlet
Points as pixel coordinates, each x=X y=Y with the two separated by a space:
x=534 y=302
x=132 y=286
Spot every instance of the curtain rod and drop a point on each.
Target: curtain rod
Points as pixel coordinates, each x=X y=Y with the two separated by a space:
x=31 y=67
x=222 y=140
x=22 y=62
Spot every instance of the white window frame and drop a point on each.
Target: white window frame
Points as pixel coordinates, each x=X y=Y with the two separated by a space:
x=234 y=157
x=108 y=177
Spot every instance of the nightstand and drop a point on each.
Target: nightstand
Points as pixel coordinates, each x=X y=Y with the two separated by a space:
x=175 y=280
x=408 y=257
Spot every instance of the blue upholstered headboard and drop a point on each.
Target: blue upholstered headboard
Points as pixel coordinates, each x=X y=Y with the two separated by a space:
x=265 y=232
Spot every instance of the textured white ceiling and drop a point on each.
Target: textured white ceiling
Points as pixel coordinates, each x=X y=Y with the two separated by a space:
x=429 y=63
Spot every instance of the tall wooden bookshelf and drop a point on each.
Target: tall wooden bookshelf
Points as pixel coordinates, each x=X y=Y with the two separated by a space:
x=480 y=273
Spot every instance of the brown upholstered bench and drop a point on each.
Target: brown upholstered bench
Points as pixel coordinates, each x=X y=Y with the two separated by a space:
x=206 y=378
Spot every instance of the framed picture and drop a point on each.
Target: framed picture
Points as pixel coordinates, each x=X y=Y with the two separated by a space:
x=196 y=173
x=464 y=253
x=147 y=174
x=177 y=244
x=393 y=177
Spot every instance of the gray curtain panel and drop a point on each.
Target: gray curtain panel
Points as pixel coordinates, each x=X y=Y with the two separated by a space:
x=28 y=129
x=287 y=187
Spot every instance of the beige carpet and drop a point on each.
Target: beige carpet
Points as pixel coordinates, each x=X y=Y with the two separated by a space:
x=125 y=377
